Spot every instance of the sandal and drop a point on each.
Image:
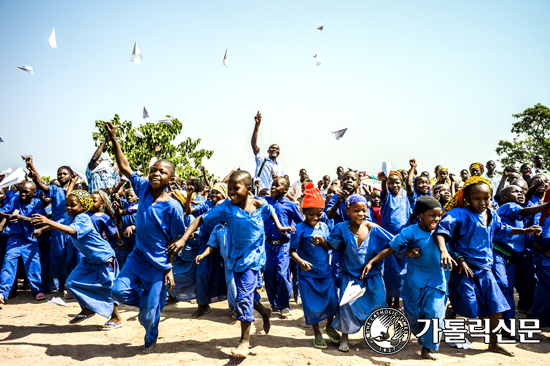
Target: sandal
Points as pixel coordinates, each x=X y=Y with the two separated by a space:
x=40 y=296
x=111 y=325
x=331 y=336
x=319 y=344
x=80 y=318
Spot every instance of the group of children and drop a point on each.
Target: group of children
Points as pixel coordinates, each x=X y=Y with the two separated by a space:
x=417 y=240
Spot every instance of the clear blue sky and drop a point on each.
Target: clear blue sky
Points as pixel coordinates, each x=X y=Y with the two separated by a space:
x=433 y=80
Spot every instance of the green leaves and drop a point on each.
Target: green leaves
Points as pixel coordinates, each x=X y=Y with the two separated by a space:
x=139 y=151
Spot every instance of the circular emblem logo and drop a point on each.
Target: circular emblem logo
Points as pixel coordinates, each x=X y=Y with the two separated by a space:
x=387 y=331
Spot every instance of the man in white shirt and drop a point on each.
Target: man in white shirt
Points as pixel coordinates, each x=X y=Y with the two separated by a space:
x=493 y=177
x=296 y=187
x=266 y=167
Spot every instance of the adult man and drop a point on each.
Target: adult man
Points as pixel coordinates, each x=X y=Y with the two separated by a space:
x=266 y=167
x=538 y=161
x=323 y=185
x=105 y=177
x=493 y=177
x=296 y=188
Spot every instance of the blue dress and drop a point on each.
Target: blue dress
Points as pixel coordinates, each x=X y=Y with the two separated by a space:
x=221 y=239
x=541 y=305
x=353 y=259
x=184 y=267
x=59 y=260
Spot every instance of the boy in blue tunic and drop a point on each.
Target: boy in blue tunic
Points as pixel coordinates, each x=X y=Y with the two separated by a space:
x=358 y=241
x=418 y=187
x=277 y=270
x=245 y=217
x=21 y=242
x=541 y=305
x=91 y=281
x=425 y=283
x=469 y=226
x=148 y=269
x=309 y=249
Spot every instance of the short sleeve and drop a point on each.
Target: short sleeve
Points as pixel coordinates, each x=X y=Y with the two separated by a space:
x=82 y=224
x=52 y=190
x=335 y=238
x=201 y=208
x=213 y=241
x=331 y=202
x=400 y=242
x=267 y=210
x=295 y=239
x=297 y=216
x=510 y=211
x=501 y=229
x=216 y=215
x=447 y=225
x=111 y=226
x=138 y=183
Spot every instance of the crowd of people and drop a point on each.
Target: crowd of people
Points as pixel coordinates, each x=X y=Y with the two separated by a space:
x=433 y=247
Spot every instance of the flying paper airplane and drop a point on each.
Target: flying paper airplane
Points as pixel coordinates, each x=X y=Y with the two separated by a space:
x=6 y=172
x=16 y=177
x=225 y=60
x=136 y=55
x=168 y=121
x=1 y=139
x=139 y=134
x=28 y=69
x=52 y=42
x=145 y=113
x=24 y=157
x=386 y=168
x=320 y=26
x=317 y=57
x=339 y=133
x=351 y=293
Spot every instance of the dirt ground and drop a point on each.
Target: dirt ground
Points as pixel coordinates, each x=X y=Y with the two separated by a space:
x=33 y=333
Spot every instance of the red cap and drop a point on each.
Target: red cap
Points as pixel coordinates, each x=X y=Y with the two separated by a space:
x=312 y=197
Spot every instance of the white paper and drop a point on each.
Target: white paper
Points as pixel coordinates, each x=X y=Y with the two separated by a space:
x=317 y=57
x=15 y=212
x=52 y=42
x=104 y=165
x=152 y=161
x=339 y=133
x=319 y=26
x=26 y=156
x=28 y=69
x=6 y=172
x=465 y=345
x=145 y=113
x=80 y=175
x=136 y=55
x=57 y=301
x=226 y=60
x=1 y=139
x=14 y=178
x=351 y=293
x=386 y=168
x=376 y=184
x=168 y=121
x=139 y=134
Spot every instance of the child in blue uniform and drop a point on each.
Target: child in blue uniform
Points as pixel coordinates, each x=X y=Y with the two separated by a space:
x=148 y=269
x=396 y=210
x=126 y=215
x=21 y=242
x=309 y=249
x=470 y=226
x=425 y=284
x=418 y=187
x=359 y=241
x=245 y=217
x=91 y=281
x=103 y=223
x=541 y=305
x=277 y=270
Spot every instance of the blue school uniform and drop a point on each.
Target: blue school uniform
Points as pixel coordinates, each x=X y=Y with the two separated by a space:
x=129 y=242
x=341 y=215
x=221 y=239
x=472 y=239
x=541 y=305
x=319 y=294
x=395 y=212
x=277 y=270
x=184 y=267
x=525 y=280
x=59 y=257
x=107 y=228
x=140 y=283
x=21 y=244
x=44 y=248
x=246 y=255
x=353 y=258
x=425 y=284
x=91 y=281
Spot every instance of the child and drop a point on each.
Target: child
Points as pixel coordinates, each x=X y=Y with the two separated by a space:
x=126 y=215
x=425 y=284
x=277 y=270
x=442 y=176
x=309 y=249
x=541 y=305
x=442 y=193
x=470 y=225
x=142 y=282
x=374 y=207
x=245 y=217
x=21 y=242
x=103 y=223
x=91 y=281
x=359 y=241
x=396 y=211
x=476 y=169
x=421 y=185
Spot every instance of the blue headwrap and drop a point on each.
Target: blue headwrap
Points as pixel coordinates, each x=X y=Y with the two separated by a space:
x=354 y=198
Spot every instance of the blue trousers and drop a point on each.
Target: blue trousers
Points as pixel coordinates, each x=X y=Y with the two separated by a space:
x=28 y=251
x=247 y=296
x=504 y=271
x=141 y=284
x=58 y=260
x=277 y=275
x=541 y=305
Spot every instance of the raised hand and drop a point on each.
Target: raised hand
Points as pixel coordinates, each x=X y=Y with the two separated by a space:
x=111 y=130
x=258 y=118
x=413 y=163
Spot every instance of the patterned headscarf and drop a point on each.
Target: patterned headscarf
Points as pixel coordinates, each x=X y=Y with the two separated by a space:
x=106 y=203
x=220 y=187
x=448 y=181
x=84 y=197
x=458 y=201
x=477 y=165
x=353 y=199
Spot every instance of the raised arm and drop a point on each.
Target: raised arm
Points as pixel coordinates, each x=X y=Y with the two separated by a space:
x=36 y=177
x=93 y=161
x=384 y=180
x=43 y=220
x=410 y=177
x=533 y=210
x=226 y=179
x=203 y=171
x=188 y=209
x=254 y=142
x=71 y=186
x=121 y=160
x=505 y=175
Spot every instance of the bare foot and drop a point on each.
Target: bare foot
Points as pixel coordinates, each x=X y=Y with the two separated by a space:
x=427 y=354
x=267 y=323
x=201 y=310
x=498 y=349
x=344 y=343
x=152 y=348
x=2 y=299
x=241 y=350
x=450 y=313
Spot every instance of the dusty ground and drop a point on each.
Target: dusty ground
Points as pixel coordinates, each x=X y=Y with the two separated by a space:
x=34 y=333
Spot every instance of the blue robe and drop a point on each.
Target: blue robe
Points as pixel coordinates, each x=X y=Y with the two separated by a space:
x=541 y=304
x=59 y=260
x=184 y=267
x=221 y=239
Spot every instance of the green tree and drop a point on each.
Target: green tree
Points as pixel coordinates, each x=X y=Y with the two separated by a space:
x=139 y=151
x=46 y=178
x=531 y=138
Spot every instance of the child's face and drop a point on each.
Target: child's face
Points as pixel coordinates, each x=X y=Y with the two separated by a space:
x=339 y=172
x=514 y=194
x=422 y=185
x=404 y=174
x=443 y=174
x=63 y=176
x=394 y=184
x=27 y=192
x=326 y=181
x=444 y=192
x=313 y=215
x=73 y=206
x=131 y=196
x=237 y=190
x=334 y=189
x=479 y=197
x=526 y=169
x=375 y=199
x=357 y=213
x=464 y=175
x=97 y=202
x=521 y=184
x=350 y=182
x=475 y=172
x=430 y=219
x=160 y=175
x=279 y=188
x=215 y=196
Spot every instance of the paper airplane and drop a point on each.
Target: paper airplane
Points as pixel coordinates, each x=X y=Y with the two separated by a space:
x=145 y=113
x=101 y=167
x=28 y=69
x=152 y=161
x=317 y=57
x=465 y=345
x=57 y=301
x=168 y=121
x=5 y=172
x=339 y=133
x=80 y=175
x=136 y=55
x=319 y=26
x=1 y=139
x=15 y=212
x=139 y=134
x=351 y=293
x=52 y=42
x=14 y=178
x=24 y=157
x=226 y=60
x=386 y=168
